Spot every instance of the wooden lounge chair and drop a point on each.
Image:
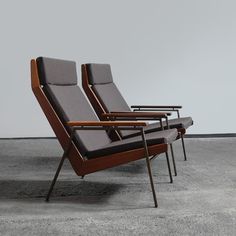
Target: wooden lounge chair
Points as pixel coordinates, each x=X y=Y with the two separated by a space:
x=108 y=103
x=82 y=136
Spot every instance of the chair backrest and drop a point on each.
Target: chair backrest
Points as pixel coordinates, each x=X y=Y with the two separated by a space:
x=58 y=79
x=99 y=79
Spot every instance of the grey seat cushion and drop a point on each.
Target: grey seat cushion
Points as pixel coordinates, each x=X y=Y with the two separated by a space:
x=183 y=122
x=178 y=123
x=166 y=136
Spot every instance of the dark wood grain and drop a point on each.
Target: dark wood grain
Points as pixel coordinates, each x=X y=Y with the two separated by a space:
x=106 y=123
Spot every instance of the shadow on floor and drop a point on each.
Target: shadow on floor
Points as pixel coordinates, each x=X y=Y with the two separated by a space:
x=26 y=189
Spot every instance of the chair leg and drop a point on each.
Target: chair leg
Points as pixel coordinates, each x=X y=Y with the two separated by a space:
x=182 y=139
x=169 y=169
x=173 y=158
x=149 y=169
x=55 y=177
x=151 y=181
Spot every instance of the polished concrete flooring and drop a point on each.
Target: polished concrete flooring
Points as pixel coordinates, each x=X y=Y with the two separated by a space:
x=118 y=201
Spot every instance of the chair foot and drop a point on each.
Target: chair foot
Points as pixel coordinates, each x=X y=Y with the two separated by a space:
x=173 y=159
x=169 y=169
x=183 y=145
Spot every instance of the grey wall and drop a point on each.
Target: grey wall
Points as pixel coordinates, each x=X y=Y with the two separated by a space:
x=178 y=52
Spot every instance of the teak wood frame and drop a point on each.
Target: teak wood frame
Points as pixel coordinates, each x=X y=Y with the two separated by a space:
x=101 y=110
x=81 y=165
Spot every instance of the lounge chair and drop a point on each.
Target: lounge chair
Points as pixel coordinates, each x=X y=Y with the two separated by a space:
x=108 y=103
x=82 y=136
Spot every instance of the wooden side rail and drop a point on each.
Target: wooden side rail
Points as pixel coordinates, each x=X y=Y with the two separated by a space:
x=106 y=123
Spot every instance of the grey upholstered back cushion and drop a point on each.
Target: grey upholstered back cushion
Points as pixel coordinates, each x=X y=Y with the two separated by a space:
x=71 y=105
x=56 y=71
x=99 y=73
x=100 y=77
x=110 y=97
x=112 y=100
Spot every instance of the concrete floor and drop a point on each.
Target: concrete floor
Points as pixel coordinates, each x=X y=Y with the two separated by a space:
x=118 y=201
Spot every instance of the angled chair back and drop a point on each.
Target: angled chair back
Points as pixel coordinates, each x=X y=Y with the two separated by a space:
x=59 y=81
x=102 y=92
x=53 y=82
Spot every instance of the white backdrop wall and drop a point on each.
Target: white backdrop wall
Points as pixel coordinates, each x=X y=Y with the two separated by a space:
x=175 y=51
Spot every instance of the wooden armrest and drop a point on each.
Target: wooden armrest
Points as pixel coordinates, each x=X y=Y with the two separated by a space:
x=105 y=123
x=137 y=114
x=154 y=106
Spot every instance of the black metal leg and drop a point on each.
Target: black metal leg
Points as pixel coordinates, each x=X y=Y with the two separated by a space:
x=182 y=139
x=55 y=177
x=173 y=158
x=168 y=164
x=151 y=181
x=149 y=169
x=60 y=165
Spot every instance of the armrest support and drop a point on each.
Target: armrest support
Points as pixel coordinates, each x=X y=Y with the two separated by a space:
x=105 y=125
x=157 y=106
x=152 y=108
